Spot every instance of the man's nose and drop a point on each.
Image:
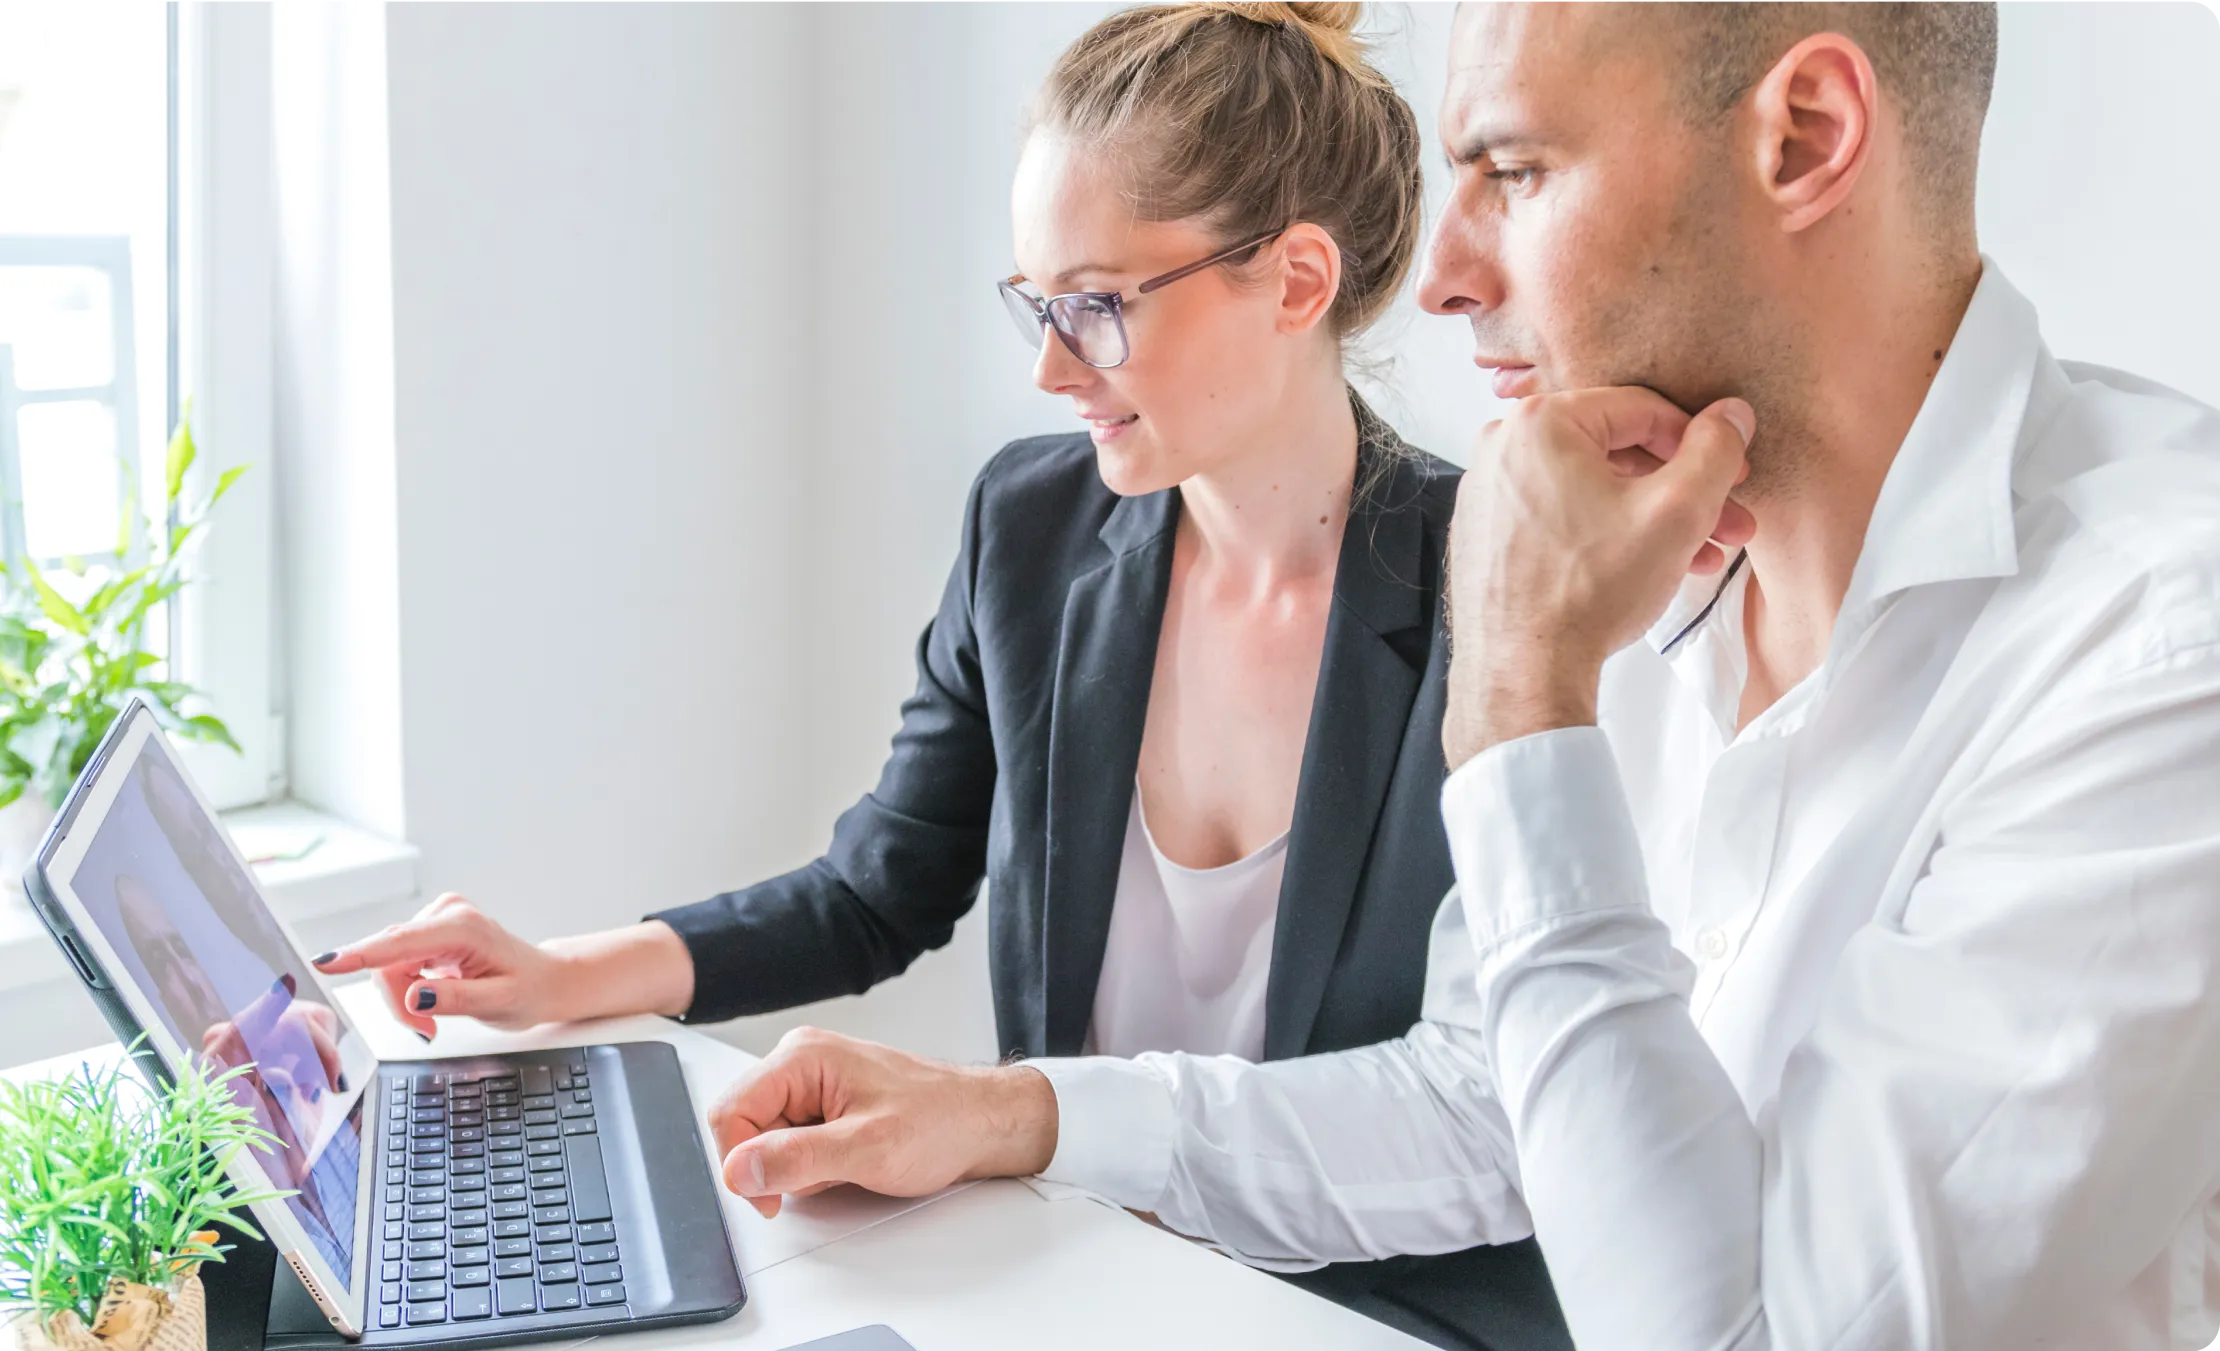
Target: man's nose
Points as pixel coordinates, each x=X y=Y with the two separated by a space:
x=1463 y=273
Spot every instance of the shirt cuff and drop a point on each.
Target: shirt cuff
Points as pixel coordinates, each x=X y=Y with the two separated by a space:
x=1539 y=830
x=1114 y=1128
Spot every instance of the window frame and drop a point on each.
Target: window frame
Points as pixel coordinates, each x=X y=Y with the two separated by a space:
x=222 y=211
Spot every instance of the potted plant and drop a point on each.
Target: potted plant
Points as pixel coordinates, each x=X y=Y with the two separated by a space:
x=109 y=1192
x=68 y=668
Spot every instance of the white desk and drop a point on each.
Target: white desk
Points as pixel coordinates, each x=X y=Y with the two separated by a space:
x=979 y=1267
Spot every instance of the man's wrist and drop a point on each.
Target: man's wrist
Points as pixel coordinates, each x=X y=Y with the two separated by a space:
x=1019 y=1131
x=1487 y=707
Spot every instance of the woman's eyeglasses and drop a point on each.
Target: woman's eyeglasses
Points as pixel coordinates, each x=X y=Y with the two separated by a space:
x=1092 y=323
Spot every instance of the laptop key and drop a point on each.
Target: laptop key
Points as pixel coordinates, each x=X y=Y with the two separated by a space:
x=582 y=1126
x=541 y=1103
x=573 y=1109
x=595 y=1252
x=543 y=1147
x=555 y=1273
x=468 y=1237
x=541 y=1163
x=547 y=1132
x=589 y=1186
x=512 y=1228
x=605 y=1294
x=513 y=1266
x=512 y=1247
x=390 y=1293
x=389 y=1316
x=559 y=1297
x=425 y=1250
x=389 y=1271
x=602 y=1232
x=552 y=1233
x=537 y=1080
x=467 y=1219
x=508 y=1191
x=506 y=1154
x=546 y=1118
x=474 y=1302
x=473 y=1276
x=510 y=1210
x=472 y=1256
x=558 y=1252
x=601 y=1273
x=428 y=1313
x=418 y=1291
x=430 y=1269
x=514 y=1295
x=472 y=1184
x=555 y=1216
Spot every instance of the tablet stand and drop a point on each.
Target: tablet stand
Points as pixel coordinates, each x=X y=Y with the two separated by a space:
x=256 y=1303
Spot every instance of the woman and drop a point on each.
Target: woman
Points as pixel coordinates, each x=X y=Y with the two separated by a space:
x=1181 y=703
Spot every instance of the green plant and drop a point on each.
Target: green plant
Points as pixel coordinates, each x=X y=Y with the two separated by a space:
x=101 y=1176
x=67 y=670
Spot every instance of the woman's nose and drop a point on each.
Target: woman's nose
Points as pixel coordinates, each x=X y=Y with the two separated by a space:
x=1055 y=369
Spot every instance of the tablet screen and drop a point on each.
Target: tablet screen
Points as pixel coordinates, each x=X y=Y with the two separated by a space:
x=190 y=930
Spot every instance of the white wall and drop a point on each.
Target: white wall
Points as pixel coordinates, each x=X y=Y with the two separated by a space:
x=602 y=274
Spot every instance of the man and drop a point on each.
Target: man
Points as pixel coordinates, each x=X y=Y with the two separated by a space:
x=1835 y=805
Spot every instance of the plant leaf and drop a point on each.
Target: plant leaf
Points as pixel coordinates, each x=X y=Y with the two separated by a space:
x=53 y=605
x=181 y=455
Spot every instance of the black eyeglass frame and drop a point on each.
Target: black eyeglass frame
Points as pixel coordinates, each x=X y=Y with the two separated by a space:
x=1048 y=309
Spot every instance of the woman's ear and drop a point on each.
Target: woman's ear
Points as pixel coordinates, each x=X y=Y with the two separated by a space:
x=1310 y=277
x=1816 y=113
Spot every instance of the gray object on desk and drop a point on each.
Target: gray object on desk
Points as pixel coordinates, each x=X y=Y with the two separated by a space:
x=877 y=1337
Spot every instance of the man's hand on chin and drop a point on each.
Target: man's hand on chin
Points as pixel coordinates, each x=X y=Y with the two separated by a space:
x=1579 y=518
x=823 y=1109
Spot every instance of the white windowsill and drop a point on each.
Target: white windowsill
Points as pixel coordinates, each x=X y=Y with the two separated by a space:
x=348 y=868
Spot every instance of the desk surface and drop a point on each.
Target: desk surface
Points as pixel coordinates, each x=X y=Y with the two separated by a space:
x=979 y=1267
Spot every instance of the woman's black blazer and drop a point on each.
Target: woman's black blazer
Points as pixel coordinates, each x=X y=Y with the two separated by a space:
x=1015 y=764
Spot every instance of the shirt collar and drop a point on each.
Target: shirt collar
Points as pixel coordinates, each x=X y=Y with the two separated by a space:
x=1945 y=508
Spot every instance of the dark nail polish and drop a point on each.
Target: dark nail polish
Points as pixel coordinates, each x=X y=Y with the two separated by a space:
x=324 y=958
x=425 y=998
x=421 y=1037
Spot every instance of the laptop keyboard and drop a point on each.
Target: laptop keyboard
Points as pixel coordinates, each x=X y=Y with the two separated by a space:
x=496 y=1203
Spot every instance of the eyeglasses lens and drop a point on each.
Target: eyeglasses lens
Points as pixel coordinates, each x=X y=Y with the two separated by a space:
x=1092 y=325
x=1023 y=314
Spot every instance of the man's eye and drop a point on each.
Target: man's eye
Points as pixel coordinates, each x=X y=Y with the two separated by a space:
x=1517 y=178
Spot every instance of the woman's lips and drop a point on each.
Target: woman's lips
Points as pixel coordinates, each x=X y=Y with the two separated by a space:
x=1110 y=429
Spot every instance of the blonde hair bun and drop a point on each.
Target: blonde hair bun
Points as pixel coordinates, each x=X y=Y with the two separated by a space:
x=1331 y=28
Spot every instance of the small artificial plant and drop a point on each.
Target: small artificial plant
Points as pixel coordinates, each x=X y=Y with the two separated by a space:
x=102 y=1177
x=68 y=670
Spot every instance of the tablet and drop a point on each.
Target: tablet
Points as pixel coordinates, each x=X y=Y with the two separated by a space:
x=159 y=912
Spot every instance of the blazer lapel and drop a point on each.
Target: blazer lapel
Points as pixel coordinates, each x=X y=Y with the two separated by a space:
x=1359 y=716
x=1105 y=661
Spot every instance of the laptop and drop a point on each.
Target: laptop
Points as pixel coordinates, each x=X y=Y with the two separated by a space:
x=463 y=1202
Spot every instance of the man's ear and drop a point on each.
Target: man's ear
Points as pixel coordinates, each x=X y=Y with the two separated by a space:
x=1310 y=277
x=1817 y=112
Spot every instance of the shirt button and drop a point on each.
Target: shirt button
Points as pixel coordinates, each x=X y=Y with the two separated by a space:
x=1711 y=944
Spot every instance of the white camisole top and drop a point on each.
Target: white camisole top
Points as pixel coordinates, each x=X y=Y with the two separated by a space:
x=1189 y=952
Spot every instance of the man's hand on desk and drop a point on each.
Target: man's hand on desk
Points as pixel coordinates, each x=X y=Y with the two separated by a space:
x=824 y=1109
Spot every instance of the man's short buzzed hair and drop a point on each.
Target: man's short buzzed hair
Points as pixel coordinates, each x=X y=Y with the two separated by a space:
x=1935 y=61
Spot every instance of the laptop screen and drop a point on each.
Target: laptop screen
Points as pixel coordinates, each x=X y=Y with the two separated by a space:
x=191 y=931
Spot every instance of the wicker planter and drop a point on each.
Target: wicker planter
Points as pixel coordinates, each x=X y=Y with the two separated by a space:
x=130 y=1318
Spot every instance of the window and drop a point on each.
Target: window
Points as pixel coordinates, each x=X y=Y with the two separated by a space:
x=134 y=228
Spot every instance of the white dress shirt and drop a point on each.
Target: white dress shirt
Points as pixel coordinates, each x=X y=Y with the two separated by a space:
x=1889 y=1020
x=1189 y=952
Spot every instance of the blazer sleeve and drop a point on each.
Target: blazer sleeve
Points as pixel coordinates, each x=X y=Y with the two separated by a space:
x=905 y=862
